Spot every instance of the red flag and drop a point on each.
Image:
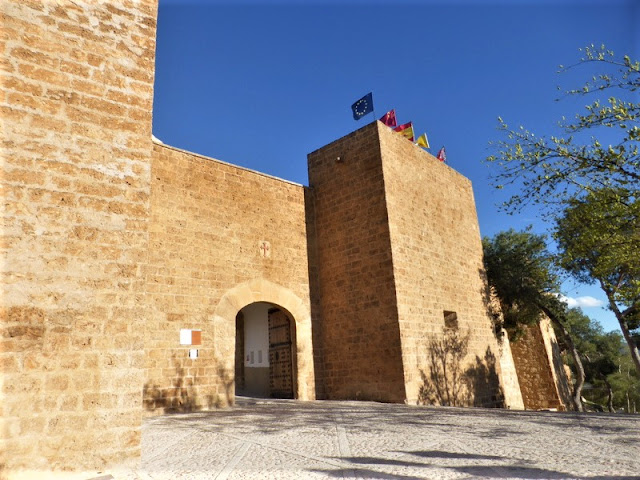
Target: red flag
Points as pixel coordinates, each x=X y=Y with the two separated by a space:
x=406 y=130
x=389 y=118
x=441 y=155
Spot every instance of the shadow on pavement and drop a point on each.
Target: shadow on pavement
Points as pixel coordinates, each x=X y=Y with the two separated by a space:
x=364 y=473
x=515 y=471
x=614 y=478
x=380 y=461
x=441 y=454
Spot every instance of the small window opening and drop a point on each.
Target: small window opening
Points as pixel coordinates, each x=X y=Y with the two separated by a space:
x=450 y=320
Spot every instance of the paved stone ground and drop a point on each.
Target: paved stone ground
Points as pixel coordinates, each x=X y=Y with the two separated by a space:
x=284 y=439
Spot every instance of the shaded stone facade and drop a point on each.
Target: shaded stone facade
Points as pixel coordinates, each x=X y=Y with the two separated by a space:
x=541 y=373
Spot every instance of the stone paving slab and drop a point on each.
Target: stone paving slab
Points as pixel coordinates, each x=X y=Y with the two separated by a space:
x=285 y=439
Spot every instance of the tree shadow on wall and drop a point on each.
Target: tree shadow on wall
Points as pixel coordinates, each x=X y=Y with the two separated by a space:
x=181 y=396
x=447 y=383
x=444 y=383
x=485 y=383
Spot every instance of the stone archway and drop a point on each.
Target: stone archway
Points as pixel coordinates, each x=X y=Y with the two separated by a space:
x=265 y=352
x=261 y=290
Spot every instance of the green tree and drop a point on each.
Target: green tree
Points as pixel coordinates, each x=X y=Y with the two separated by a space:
x=600 y=354
x=552 y=170
x=522 y=273
x=626 y=384
x=598 y=237
x=596 y=183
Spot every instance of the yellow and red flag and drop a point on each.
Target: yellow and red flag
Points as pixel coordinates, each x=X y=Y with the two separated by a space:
x=406 y=130
x=423 y=141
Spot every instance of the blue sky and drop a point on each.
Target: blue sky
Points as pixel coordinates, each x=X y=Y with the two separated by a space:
x=262 y=84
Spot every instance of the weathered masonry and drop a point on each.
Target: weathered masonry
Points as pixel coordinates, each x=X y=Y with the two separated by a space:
x=140 y=279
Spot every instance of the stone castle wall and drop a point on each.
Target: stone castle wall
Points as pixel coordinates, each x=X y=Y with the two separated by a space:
x=76 y=100
x=542 y=379
x=559 y=369
x=207 y=232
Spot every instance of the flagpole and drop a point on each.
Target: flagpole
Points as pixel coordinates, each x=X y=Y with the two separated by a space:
x=372 y=107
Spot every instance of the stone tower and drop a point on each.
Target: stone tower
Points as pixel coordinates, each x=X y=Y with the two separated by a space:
x=399 y=264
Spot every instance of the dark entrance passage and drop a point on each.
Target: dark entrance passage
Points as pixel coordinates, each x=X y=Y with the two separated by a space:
x=265 y=352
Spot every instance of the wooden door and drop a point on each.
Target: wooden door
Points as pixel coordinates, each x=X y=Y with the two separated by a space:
x=239 y=368
x=280 y=355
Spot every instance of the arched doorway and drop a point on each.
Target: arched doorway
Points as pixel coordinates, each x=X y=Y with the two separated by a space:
x=298 y=311
x=265 y=352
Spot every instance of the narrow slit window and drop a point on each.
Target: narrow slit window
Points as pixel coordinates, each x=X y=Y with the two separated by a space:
x=450 y=320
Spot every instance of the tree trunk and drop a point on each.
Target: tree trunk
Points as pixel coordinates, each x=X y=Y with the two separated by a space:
x=624 y=326
x=577 y=389
x=610 y=396
x=628 y=402
x=633 y=348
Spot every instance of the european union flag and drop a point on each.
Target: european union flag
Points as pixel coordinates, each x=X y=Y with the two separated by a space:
x=362 y=106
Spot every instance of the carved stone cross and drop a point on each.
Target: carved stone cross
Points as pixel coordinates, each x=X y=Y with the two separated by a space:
x=265 y=249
